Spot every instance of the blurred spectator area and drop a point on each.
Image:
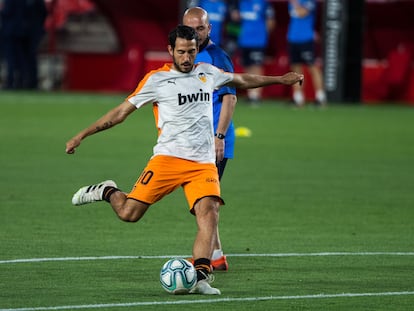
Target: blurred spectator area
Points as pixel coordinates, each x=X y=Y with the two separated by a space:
x=108 y=45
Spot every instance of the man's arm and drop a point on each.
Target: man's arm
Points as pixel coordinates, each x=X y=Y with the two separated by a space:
x=110 y=119
x=226 y=114
x=250 y=81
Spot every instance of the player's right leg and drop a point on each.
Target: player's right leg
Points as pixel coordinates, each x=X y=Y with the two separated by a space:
x=152 y=185
x=127 y=210
x=91 y=193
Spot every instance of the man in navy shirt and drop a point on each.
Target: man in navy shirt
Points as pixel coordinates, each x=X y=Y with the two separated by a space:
x=301 y=44
x=209 y=52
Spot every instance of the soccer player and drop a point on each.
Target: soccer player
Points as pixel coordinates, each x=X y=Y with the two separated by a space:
x=301 y=45
x=187 y=147
x=257 y=21
x=209 y=52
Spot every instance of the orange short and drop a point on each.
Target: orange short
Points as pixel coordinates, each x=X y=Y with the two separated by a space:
x=164 y=174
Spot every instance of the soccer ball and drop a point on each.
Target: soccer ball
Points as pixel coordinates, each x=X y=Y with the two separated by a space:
x=178 y=276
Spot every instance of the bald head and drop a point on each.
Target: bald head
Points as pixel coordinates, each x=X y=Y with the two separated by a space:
x=197 y=18
x=195 y=13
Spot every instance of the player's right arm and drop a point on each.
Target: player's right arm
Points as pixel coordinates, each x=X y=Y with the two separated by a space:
x=110 y=119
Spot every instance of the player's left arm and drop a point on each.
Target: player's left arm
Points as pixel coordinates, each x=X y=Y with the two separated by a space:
x=251 y=81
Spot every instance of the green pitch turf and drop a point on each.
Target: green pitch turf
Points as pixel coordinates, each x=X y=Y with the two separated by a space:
x=318 y=216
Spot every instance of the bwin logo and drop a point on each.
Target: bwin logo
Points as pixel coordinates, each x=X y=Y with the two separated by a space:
x=191 y=98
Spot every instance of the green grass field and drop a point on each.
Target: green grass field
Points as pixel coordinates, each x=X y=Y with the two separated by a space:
x=319 y=210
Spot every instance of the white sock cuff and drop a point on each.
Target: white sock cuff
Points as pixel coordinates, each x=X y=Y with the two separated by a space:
x=217 y=253
x=320 y=95
x=298 y=97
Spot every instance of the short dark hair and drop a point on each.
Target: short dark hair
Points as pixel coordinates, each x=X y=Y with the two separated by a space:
x=182 y=31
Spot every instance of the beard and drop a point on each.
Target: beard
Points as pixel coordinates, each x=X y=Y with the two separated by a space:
x=185 y=67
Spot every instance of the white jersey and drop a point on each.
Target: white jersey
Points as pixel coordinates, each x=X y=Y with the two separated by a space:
x=183 y=109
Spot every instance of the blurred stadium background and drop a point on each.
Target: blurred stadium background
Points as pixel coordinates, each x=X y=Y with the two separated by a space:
x=107 y=45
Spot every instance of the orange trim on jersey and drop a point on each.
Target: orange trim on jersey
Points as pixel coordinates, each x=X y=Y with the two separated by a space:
x=156 y=113
x=166 y=67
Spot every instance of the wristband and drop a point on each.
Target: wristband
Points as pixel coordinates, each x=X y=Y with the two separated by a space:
x=220 y=136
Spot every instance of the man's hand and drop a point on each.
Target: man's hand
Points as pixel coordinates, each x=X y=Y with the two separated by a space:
x=219 y=144
x=72 y=144
x=291 y=78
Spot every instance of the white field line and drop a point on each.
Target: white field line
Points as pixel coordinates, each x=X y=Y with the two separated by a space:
x=210 y=301
x=218 y=300
x=28 y=260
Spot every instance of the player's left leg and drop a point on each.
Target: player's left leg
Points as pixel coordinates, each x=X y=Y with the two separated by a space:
x=206 y=211
x=255 y=95
x=317 y=79
x=298 y=96
x=201 y=186
x=252 y=62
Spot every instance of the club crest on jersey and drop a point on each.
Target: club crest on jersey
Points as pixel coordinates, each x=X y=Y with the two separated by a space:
x=202 y=77
x=195 y=97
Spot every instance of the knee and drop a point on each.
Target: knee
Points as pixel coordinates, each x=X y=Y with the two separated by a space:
x=207 y=208
x=214 y=210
